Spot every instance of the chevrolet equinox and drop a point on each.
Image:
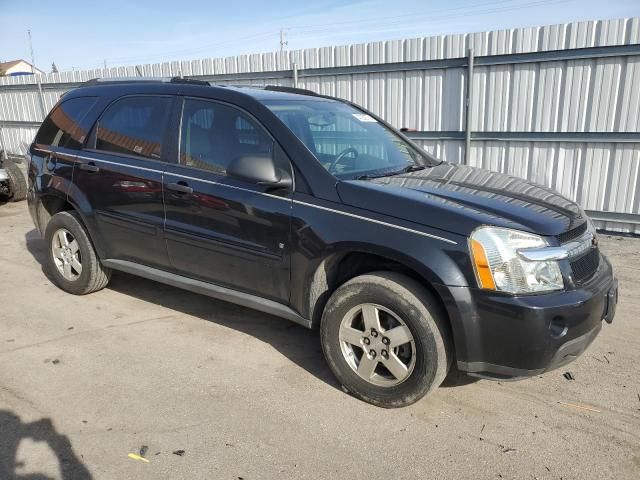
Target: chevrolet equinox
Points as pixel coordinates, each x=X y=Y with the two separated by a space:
x=313 y=209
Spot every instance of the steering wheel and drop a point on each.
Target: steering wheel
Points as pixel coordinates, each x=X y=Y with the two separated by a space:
x=340 y=156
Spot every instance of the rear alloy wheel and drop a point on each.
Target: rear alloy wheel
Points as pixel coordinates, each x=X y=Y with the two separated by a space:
x=66 y=254
x=71 y=258
x=386 y=339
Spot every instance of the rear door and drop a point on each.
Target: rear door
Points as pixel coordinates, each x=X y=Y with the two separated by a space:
x=120 y=175
x=218 y=228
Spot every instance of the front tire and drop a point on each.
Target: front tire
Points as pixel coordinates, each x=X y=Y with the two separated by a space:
x=386 y=339
x=71 y=258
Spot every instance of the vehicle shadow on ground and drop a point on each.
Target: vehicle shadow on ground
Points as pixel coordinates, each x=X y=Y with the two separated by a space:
x=297 y=343
x=13 y=430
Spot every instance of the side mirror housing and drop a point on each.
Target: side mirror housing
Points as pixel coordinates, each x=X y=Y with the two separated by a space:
x=259 y=169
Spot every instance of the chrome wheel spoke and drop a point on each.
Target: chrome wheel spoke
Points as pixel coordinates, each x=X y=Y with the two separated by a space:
x=367 y=366
x=396 y=367
x=371 y=316
x=351 y=335
x=57 y=253
x=398 y=336
x=77 y=266
x=66 y=271
x=74 y=246
x=63 y=241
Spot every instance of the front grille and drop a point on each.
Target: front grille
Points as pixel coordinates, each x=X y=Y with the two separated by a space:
x=585 y=266
x=572 y=234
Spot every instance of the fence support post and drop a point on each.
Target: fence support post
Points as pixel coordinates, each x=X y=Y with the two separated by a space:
x=295 y=75
x=468 y=104
x=43 y=110
x=3 y=149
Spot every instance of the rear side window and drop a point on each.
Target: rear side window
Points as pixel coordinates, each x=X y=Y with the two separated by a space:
x=134 y=126
x=62 y=127
x=214 y=134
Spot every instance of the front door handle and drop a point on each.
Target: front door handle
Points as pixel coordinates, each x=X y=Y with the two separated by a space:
x=180 y=187
x=89 y=167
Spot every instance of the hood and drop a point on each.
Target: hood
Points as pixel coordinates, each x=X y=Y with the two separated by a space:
x=457 y=198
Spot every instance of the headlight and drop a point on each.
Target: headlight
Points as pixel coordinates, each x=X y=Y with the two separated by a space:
x=494 y=252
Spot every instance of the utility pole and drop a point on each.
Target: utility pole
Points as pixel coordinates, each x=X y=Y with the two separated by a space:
x=33 y=60
x=283 y=42
x=105 y=63
x=33 y=72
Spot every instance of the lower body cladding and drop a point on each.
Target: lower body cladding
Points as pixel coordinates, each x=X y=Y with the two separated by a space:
x=505 y=337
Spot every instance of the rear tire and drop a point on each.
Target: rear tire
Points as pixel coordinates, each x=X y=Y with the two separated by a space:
x=411 y=338
x=17 y=182
x=71 y=258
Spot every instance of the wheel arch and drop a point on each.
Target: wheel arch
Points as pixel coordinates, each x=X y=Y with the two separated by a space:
x=341 y=265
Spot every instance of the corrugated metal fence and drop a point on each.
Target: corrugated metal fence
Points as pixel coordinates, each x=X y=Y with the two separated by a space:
x=558 y=105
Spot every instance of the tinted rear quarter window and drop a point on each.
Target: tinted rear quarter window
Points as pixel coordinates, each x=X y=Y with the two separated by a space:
x=62 y=128
x=134 y=126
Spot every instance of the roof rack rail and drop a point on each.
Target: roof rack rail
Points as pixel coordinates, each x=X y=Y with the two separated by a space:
x=105 y=81
x=299 y=91
x=108 y=81
x=192 y=81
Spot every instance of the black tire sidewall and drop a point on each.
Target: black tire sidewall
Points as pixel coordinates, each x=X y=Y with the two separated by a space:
x=71 y=223
x=417 y=311
x=17 y=182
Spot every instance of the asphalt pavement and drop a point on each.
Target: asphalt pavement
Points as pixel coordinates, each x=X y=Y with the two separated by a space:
x=200 y=389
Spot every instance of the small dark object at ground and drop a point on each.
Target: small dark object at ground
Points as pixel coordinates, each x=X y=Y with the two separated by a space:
x=143 y=450
x=56 y=361
x=508 y=450
x=569 y=376
x=482 y=429
x=85 y=421
x=70 y=328
x=180 y=453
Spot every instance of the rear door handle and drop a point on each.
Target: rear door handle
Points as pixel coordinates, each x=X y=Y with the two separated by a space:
x=180 y=187
x=89 y=167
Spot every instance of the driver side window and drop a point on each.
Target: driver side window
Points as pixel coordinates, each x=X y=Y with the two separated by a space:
x=213 y=134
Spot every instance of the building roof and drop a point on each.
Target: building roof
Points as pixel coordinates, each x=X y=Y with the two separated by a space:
x=4 y=66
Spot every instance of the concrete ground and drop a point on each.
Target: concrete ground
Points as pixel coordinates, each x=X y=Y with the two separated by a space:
x=84 y=381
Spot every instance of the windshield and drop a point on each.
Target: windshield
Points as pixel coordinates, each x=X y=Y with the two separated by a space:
x=346 y=141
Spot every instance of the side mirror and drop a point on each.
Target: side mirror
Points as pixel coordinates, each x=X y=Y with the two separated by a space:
x=259 y=169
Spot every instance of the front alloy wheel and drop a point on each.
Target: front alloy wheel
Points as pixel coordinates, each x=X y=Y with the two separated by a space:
x=377 y=345
x=386 y=338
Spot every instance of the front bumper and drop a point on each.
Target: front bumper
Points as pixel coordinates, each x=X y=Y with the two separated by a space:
x=501 y=336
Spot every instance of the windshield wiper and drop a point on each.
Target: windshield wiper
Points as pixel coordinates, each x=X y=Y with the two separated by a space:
x=409 y=168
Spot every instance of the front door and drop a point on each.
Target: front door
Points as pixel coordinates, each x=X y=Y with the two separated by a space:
x=221 y=229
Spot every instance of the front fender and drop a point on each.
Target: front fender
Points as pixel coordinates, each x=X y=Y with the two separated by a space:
x=322 y=235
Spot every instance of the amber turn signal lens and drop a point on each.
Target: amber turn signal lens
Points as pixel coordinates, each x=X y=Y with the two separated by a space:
x=483 y=272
